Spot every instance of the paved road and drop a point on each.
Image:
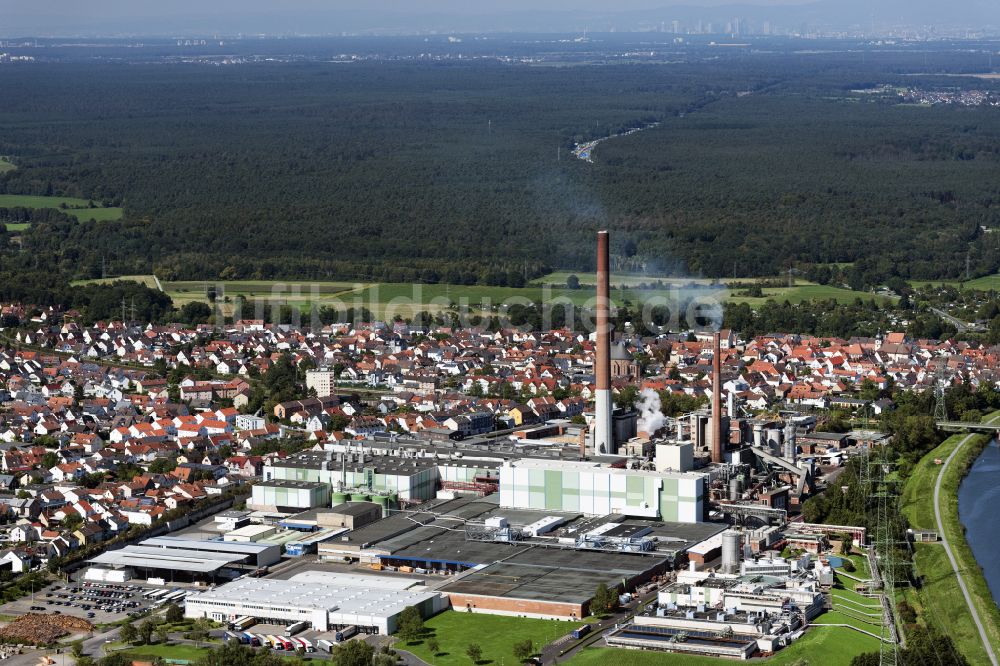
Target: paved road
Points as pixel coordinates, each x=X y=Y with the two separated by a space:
x=555 y=650
x=951 y=556
x=94 y=646
x=960 y=325
x=410 y=659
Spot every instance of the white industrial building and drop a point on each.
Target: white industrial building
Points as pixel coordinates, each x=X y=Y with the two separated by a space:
x=172 y=557
x=595 y=490
x=327 y=601
x=286 y=496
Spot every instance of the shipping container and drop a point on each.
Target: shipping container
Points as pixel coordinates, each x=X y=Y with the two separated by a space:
x=345 y=633
x=243 y=623
x=295 y=628
x=581 y=631
x=325 y=645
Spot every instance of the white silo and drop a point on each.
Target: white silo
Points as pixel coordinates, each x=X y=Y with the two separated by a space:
x=790 y=441
x=731 y=552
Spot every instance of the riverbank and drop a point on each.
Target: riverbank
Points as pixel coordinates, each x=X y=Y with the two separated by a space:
x=940 y=600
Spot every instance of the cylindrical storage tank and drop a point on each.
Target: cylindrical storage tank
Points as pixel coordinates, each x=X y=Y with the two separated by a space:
x=360 y=497
x=393 y=501
x=758 y=435
x=735 y=488
x=731 y=552
x=383 y=502
x=775 y=437
x=790 y=441
x=338 y=498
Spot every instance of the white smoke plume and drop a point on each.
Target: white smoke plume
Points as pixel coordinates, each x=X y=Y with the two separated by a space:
x=651 y=416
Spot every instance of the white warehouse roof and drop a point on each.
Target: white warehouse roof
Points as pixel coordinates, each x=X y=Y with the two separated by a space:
x=217 y=546
x=341 y=596
x=161 y=558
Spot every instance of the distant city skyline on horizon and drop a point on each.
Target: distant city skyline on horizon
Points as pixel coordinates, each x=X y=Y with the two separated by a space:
x=316 y=17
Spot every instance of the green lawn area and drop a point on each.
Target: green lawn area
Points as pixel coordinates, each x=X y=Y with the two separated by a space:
x=940 y=594
x=78 y=208
x=6 y=166
x=495 y=634
x=16 y=226
x=167 y=651
x=820 y=646
x=860 y=565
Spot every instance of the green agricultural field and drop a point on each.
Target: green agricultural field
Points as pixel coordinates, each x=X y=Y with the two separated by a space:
x=388 y=299
x=804 y=292
x=147 y=280
x=299 y=294
x=495 y=634
x=985 y=283
x=617 y=279
x=17 y=226
x=6 y=166
x=940 y=594
x=829 y=646
x=78 y=208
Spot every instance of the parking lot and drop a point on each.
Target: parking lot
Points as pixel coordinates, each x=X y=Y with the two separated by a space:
x=96 y=602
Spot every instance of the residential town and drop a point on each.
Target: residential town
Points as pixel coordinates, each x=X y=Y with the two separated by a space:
x=98 y=440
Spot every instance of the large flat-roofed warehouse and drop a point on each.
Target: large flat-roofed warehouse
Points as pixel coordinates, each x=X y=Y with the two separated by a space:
x=551 y=562
x=542 y=584
x=123 y=564
x=326 y=600
x=595 y=489
x=173 y=558
x=250 y=554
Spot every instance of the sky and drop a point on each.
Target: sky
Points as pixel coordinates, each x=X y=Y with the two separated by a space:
x=168 y=17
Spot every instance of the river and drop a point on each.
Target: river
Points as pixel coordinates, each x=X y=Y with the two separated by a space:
x=978 y=498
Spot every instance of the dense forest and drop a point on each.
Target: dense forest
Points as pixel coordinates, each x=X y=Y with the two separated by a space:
x=461 y=173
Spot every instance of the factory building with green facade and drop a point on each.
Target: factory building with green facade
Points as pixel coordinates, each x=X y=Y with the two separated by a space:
x=378 y=478
x=595 y=489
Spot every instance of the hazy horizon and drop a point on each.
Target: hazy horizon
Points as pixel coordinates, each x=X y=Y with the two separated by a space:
x=147 y=18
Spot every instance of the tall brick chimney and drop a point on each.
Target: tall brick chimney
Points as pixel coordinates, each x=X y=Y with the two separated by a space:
x=603 y=409
x=717 y=445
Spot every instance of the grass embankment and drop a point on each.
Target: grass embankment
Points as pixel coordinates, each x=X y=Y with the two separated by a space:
x=940 y=598
x=495 y=634
x=78 y=208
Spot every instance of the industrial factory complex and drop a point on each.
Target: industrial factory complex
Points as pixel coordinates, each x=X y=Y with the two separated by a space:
x=689 y=512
